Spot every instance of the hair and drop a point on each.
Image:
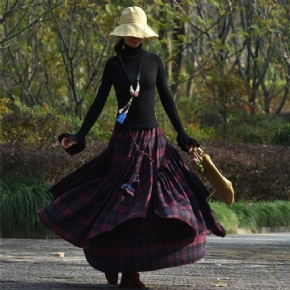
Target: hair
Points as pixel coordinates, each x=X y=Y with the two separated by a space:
x=119 y=46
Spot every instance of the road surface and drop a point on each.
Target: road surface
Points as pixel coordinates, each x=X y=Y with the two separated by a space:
x=235 y=262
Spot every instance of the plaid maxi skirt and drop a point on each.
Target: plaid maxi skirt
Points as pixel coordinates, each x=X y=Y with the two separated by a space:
x=135 y=207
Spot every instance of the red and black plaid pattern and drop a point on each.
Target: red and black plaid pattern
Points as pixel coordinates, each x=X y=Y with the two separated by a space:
x=136 y=207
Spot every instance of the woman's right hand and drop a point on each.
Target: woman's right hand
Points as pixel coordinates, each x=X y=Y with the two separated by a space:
x=186 y=143
x=67 y=142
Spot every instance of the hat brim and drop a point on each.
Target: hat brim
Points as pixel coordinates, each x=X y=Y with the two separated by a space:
x=135 y=30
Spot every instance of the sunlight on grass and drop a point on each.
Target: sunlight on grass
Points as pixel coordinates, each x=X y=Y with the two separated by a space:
x=226 y=217
x=252 y=216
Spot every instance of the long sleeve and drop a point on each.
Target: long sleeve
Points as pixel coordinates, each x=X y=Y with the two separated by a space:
x=167 y=100
x=98 y=104
x=183 y=140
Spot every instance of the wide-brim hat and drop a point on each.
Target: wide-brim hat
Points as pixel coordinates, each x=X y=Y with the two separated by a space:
x=133 y=22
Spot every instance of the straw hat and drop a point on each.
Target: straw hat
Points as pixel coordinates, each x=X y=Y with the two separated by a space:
x=133 y=22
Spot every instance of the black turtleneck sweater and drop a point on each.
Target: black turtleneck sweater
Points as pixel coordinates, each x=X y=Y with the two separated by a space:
x=142 y=113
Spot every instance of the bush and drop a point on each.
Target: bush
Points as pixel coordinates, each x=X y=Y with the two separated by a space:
x=23 y=128
x=253 y=128
x=29 y=128
x=282 y=136
x=258 y=172
x=31 y=149
x=252 y=138
x=44 y=164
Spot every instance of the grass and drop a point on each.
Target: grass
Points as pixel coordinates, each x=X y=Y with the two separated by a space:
x=226 y=217
x=19 y=203
x=247 y=216
x=252 y=216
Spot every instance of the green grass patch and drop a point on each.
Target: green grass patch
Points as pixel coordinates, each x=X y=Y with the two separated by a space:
x=252 y=216
x=226 y=217
x=19 y=203
x=247 y=216
x=274 y=214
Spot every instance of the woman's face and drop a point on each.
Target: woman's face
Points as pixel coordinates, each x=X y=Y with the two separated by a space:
x=133 y=41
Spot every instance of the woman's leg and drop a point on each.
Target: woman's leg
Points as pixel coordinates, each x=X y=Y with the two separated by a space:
x=112 y=278
x=131 y=280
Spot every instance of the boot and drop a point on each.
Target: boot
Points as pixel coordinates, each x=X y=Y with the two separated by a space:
x=131 y=280
x=112 y=278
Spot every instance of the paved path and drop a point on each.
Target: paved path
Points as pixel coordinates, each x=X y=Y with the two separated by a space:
x=235 y=262
x=261 y=239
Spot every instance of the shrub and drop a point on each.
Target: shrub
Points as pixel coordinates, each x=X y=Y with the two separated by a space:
x=28 y=128
x=23 y=128
x=253 y=128
x=252 y=138
x=43 y=164
x=282 y=136
x=258 y=172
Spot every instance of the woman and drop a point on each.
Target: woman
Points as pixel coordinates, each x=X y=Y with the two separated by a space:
x=137 y=206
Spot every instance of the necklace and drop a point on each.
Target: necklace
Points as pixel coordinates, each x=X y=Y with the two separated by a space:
x=122 y=113
x=134 y=93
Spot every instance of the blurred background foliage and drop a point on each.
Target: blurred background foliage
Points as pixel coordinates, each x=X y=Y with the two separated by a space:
x=228 y=68
x=227 y=65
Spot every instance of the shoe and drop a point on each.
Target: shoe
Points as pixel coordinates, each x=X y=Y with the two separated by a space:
x=132 y=280
x=112 y=278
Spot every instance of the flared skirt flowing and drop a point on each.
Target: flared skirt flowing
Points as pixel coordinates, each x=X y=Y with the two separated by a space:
x=135 y=207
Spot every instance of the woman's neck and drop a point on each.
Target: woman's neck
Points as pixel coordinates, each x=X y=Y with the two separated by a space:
x=131 y=51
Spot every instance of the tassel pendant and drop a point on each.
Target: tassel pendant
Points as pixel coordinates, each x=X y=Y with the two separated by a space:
x=120 y=119
x=122 y=113
x=133 y=92
x=130 y=187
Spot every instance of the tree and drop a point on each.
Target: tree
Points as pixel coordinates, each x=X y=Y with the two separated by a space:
x=53 y=52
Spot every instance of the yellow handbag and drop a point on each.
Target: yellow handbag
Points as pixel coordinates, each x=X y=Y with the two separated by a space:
x=220 y=184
